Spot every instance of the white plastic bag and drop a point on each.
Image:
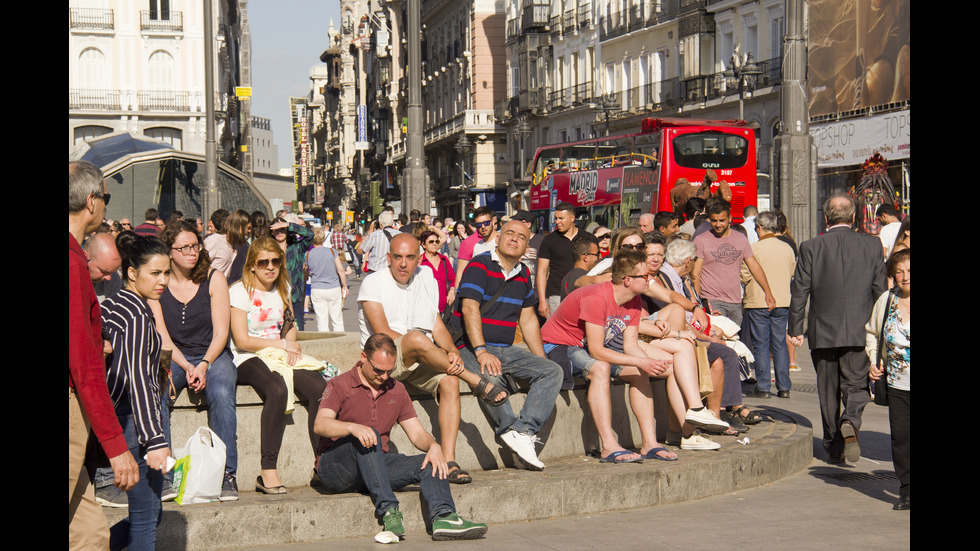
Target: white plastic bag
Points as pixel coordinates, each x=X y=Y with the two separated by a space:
x=200 y=468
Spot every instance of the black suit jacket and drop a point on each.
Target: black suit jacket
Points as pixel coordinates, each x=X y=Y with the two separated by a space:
x=841 y=273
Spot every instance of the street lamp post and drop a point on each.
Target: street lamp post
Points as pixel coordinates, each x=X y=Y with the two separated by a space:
x=463 y=146
x=742 y=72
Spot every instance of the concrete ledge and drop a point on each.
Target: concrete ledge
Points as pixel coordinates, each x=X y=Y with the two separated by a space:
x=570 y=486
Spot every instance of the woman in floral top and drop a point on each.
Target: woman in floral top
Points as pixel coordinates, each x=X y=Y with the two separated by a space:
x=893 y=311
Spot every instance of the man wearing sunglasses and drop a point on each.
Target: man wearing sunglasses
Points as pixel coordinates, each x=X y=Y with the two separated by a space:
x=402 y=302
x=583 y=336
x=89 y=404
x=356 y=414
x=485 y=239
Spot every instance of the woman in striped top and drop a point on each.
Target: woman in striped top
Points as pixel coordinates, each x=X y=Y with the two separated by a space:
x=133 y=376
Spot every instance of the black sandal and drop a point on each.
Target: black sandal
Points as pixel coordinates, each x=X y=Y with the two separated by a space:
x=752 y=418
x=486 y=391
x=457 y=475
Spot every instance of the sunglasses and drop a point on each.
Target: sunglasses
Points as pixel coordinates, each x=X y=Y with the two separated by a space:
x=636 y=247
x=483 y=224
x=105 y=198
x=266 y=262
x=603 y=236
x=380 y=371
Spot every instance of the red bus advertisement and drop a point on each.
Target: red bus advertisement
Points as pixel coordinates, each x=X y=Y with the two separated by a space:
x=613 y=180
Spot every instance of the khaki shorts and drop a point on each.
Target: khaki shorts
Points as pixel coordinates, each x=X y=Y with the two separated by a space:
x=417 y=375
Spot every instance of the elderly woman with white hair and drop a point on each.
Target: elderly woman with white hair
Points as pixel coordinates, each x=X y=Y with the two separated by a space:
x=678 y=263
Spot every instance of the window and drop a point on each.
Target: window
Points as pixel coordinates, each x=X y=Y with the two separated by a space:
x=84 y=133
x=160 y=10
x=172 y=136
x=91 y=69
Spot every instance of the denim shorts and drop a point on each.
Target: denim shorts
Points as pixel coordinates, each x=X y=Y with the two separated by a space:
x=578 y=359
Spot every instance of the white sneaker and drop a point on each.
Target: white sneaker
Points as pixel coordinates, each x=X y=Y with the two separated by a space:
x=523 y=445
x=705 y=419
x=698 y=442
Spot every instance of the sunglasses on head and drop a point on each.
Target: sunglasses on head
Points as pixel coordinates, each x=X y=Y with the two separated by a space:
x=266 y=262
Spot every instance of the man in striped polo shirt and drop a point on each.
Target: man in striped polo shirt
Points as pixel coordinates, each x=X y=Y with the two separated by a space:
x=487 y=345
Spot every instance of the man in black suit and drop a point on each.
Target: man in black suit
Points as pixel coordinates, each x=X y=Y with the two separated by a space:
x=841 y=273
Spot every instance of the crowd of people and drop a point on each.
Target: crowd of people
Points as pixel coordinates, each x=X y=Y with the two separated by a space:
x=487 y=302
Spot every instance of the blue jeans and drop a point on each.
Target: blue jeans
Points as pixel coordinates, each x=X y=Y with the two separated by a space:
x=544 y=375
x=220 y=390
x=139 y=531
x=769 y=336
x=350 y=467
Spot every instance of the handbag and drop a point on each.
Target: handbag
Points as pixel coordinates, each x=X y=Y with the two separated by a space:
x=880 y=388
x=200 y=468
x=705 y=387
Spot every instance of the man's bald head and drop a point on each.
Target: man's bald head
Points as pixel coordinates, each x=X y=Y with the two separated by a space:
x=838 y=209
x=103 y=258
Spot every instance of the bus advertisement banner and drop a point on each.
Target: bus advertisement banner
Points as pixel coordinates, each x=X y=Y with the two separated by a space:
x=585 y=188
x=639 y=193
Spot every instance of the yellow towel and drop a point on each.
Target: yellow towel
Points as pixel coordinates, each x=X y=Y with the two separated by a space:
x=275 y=360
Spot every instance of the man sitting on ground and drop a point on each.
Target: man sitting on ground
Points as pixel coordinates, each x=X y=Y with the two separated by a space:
x=355 y=418
x=487 y=344
x=579 y=337
x=401 y=301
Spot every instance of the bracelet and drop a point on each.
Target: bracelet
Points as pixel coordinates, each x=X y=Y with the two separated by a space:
x=207 y=362
x=482 y=347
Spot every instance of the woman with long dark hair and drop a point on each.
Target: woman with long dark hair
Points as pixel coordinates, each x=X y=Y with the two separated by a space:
x=261 y=318
x=133 y=376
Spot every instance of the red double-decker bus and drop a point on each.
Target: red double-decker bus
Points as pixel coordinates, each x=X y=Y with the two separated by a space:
x=613 y=180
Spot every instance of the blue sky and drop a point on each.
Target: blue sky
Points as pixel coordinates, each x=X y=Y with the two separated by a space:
x=288 y=37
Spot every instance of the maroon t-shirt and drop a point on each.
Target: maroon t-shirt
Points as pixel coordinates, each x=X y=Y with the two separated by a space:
x=354 y=402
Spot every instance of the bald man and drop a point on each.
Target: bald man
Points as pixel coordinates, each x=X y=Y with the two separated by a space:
x=103 y=264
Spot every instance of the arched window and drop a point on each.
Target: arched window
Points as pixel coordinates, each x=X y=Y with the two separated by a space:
x=160 y=74
x=172 y=136
x=91 y=69
x=83 y=133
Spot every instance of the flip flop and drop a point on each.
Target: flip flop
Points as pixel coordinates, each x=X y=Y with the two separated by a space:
x=652 y=454
x=614 y=457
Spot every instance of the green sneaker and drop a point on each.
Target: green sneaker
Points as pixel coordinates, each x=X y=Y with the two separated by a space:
x=393 y=522
x=455 y=527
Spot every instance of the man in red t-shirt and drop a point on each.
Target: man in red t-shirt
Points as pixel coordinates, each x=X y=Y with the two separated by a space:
x=356 y=414
x=606 y=318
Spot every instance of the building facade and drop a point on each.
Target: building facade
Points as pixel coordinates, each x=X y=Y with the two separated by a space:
x=139 y=67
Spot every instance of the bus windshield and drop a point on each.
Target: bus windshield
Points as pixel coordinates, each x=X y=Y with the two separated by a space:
x=710 y=150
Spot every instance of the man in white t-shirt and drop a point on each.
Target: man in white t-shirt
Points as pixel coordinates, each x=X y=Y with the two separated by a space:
x=402 y=302
x=888 y=216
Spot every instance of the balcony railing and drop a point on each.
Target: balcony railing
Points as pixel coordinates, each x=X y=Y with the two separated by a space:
x=513 y=28
x=91 y=18
x=536 y=14
x=555 y=23
x=163 y=100
x=569 y=20
x=584 y=15
x=571 y=96
x=638 y=17
x=104 y=100
x=167 y=21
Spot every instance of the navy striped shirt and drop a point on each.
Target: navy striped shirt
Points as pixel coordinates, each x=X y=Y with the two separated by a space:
x=481 y=280
x=133 y=374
